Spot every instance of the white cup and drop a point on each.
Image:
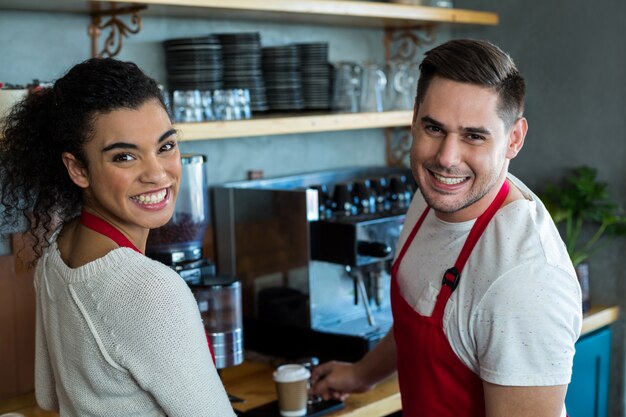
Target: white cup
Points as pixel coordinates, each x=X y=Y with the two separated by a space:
x=292 y=385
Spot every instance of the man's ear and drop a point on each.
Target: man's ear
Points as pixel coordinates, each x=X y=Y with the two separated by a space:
x=76 y=170
x=517 y=134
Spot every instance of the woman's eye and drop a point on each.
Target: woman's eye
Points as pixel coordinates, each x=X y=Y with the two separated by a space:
x=123 y=157
x=169 y=146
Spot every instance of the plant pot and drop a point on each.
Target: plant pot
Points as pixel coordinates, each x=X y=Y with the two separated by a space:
x=582 y=272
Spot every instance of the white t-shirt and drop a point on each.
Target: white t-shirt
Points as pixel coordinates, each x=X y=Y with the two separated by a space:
x=121 y=336
x=516 y=314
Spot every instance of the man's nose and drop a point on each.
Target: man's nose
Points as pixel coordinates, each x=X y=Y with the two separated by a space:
x=449 y=154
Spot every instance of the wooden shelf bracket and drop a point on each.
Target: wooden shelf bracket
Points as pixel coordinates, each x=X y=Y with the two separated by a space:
x=110 y=20
x=404 y=43
x=398 y=142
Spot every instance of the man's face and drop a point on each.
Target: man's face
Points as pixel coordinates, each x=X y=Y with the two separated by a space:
x=461 y=148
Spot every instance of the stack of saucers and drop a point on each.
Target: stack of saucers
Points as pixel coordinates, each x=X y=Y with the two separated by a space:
x=241 y=56
x=194 y=63
x=316 y=75
x=283 y=82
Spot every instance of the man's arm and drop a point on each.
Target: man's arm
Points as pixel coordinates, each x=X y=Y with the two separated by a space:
x=508 y=401
x=339 y=379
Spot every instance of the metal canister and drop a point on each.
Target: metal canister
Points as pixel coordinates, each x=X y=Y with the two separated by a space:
x=219 y=302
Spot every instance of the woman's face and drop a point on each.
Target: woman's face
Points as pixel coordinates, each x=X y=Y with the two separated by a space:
x=134 y=168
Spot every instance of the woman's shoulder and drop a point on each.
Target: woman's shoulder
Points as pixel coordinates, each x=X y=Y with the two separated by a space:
x=140 y=271
x=144 y=284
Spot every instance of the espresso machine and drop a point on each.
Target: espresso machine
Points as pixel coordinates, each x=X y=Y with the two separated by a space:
x=178 y=244
x=314 y=253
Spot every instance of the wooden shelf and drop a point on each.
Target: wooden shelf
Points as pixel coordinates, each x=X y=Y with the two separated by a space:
x=325 y=12
x=283 y=125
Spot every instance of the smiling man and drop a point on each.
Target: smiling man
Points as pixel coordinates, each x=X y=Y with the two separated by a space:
x=486 y=303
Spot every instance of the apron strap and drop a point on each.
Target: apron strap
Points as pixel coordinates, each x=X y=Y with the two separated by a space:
x=103 y=227
x=452 y=276
x=407 y=242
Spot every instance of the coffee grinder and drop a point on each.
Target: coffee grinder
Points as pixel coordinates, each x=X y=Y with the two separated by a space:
x=178 y=244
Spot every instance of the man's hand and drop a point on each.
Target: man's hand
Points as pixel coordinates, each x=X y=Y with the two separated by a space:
x=337 y=380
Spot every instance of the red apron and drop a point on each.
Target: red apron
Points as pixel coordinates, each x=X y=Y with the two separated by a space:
x=103 y=227
x=434 y=382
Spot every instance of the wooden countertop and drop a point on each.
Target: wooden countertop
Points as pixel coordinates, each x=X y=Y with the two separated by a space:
x=252 y=381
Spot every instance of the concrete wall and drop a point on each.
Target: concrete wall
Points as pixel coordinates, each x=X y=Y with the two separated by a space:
x=573 y=55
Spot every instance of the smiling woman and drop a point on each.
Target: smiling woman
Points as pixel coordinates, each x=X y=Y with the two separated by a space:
x=95 y=162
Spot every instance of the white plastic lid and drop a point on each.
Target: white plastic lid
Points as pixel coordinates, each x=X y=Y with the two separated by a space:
x=291 y=373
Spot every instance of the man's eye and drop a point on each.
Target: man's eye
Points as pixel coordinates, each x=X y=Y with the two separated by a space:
x=433 y=129
x=123 y=157
x=474 y=136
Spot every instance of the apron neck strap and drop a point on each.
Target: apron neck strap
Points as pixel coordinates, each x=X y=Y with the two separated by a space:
x=103 y=227
x=452 y=276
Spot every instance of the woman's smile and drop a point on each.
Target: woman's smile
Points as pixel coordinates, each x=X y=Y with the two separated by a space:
x=152 y=200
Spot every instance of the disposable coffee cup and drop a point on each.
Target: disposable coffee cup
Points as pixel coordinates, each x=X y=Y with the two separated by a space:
x=292 y=384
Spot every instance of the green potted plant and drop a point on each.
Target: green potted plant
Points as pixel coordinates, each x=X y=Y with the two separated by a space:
x=582 y=209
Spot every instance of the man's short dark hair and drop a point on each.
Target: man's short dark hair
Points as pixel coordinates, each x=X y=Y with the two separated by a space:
x=480 y=63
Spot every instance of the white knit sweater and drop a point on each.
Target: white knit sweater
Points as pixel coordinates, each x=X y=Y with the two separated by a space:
x=121 y=336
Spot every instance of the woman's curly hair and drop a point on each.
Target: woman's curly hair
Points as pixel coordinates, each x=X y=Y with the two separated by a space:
x=49 y=122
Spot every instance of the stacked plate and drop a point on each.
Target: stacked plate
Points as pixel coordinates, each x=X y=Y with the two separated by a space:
x=283 y=82
x=316 y=75
x=194 y=63
x=241 y=56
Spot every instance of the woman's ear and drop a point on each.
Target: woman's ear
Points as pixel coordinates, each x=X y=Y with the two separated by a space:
x=76 y=170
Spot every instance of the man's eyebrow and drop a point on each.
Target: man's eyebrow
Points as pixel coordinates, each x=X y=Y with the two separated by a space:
x=430 y=120
x=480 y=130
x=124 y=145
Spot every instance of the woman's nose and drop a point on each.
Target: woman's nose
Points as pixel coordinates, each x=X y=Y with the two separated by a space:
x=153 y=170
x=449 y=154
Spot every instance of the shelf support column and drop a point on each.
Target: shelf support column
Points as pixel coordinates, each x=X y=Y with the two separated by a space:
x=117 y=27
x=403 y=44
x=398 y=146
